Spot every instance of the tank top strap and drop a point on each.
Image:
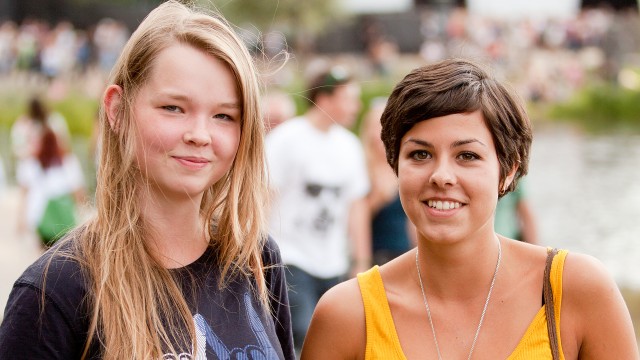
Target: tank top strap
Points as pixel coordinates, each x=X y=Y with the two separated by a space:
x=557 y=268
x=382 y=338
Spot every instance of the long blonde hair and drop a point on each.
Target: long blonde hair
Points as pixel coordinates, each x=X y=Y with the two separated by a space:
x=136 y=306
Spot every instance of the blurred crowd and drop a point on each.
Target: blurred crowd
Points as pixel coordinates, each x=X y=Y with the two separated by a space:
x=56 y=50
x=597 y=42
x=548 y=58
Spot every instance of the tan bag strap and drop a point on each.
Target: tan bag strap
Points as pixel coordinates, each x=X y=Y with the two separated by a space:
x=549 y=305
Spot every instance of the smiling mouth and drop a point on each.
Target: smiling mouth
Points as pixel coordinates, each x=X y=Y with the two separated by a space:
x=192 y=159
x=192 y=163
x=443 y=205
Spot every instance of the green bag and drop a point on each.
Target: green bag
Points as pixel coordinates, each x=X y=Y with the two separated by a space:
x=58 y=218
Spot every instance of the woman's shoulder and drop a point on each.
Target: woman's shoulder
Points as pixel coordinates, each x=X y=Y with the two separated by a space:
x=585 y=279
x=338 y=320
x=56 y=273
x=341 y=307
x=271 y=252
x=345 y=296
x=46 y=309
x=594 y=311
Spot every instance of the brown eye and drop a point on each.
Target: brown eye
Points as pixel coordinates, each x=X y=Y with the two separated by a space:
x=468 y=156
x=419 y=155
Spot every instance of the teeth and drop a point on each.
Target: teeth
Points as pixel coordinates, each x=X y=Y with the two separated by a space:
x=443 y=205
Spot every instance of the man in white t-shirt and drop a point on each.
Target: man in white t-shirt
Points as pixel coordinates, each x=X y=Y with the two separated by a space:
x=319 y=181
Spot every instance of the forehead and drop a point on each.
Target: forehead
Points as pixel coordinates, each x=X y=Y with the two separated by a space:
x=191 y=71
x=451 y=128
x=183 y=57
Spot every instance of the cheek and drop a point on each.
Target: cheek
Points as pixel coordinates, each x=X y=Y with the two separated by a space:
x=152 y=143
x=408 y=192
x=409 y=182
x=152 y=140
x=226 y=142
x=489 y=187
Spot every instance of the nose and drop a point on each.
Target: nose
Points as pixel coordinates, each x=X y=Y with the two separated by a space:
x=443 y=174
x=197 y=132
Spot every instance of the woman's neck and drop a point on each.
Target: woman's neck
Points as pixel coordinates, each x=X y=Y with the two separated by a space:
x=451 y=268
x=177 y=233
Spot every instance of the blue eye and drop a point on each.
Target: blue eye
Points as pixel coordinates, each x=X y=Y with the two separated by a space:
x=419 y=155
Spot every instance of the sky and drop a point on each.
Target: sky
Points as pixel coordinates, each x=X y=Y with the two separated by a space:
x=520 y=8
x=377 y=6
x=501 y=8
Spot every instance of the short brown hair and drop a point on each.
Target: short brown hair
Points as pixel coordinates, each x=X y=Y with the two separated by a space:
x=457 y=86
x=327 y=82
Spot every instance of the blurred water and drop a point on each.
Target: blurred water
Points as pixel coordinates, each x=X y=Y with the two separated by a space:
x=585 y=191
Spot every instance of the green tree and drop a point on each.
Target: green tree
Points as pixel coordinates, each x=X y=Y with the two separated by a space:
x=298 y=20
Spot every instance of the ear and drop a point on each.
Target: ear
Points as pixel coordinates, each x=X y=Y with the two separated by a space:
x=111 y=101
x=509 y=179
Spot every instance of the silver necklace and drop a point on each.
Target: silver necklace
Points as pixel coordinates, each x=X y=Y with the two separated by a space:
x=484 y=309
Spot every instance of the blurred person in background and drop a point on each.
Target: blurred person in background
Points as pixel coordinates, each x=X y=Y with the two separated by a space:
x=27 y=130
x=48 y=173
x=277 y=107
x=52 y=187
x=318 y=174
x=392 y=234
x=109 y=39
x=514 y=216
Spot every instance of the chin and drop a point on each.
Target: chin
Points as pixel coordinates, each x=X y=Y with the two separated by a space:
x=185 y=190
x=441 y=236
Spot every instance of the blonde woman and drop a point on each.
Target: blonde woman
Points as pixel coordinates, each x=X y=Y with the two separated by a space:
x=459 y=140
x=176 y=264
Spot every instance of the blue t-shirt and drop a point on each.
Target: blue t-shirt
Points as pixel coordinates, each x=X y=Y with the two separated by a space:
x=389 y=228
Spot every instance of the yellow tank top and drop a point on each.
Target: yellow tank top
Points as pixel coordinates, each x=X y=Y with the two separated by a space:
x=382 y=338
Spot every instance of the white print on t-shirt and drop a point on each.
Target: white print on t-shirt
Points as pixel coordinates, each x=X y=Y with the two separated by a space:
x=263 y=350
x=318 y=216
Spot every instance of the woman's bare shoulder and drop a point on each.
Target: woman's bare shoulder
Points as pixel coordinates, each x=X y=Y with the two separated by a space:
x=595 y=311
x=338 y=320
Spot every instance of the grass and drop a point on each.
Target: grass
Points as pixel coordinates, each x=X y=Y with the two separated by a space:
x=79 y=110
x=601 y=108
x=632 y=298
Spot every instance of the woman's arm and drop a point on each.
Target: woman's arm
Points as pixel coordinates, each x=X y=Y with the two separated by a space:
x=337 y=329
x=596 y=314
x=275 y=277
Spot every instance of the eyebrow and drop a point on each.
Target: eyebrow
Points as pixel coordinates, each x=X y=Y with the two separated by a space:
x=180 y=97
x=231 y=106
x=455 y=143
